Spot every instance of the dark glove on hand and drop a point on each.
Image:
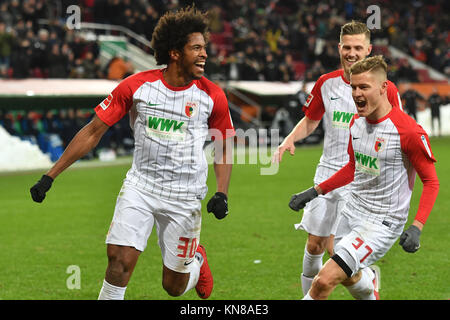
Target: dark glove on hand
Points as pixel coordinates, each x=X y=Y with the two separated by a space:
x=218 y=205
x=409 y=239
x=299 y=200
x=40 y=188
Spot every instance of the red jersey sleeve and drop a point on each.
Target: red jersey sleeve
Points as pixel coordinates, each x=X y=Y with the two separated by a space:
x=416 y=145
x=393 y=95
x=313 y=107
x=220 y=118
x=117 y=104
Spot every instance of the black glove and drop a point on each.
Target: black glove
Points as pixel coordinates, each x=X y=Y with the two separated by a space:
x=409 y=239
x=218 y=205
x=40 y=188
x=299 y=200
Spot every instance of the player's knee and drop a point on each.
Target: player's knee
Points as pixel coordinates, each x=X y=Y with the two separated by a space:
x=118 y=265
x=316 y=245
x=173 y=289
x=323 y=283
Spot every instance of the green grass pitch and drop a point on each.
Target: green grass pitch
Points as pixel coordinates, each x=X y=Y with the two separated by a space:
x=254 y=253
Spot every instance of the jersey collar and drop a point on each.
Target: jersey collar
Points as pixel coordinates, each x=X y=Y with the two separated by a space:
x=168 y=86
x=381 y=119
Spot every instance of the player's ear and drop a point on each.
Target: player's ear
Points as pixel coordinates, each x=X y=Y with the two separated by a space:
x=384 y=86
x=174 y=54
x=369 y=49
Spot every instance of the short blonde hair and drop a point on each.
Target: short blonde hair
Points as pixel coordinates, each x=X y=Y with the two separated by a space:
x=354 y=27
x=372 y=64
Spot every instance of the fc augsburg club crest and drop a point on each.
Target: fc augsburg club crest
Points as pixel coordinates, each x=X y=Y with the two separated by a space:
x=191 y=109
x=380 y=144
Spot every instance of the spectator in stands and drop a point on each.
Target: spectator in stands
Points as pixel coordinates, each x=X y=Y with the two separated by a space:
x=69 y=126
x=119 y=68
x=271 y=70
x=5 y=16
x=77 y=45
x=250 y=68
x=286 y=69
x=77 y=69
x=328 y=58
x=411 y=96
x=418 y=51
x=21 y=59
x=41 y=51
x=406 y=73
x=58 y=66
x=51 y=123
x=214 y=68
x=317 y=69
x=91 y=66
x=151 y=18
x=7 y=122
x=6 y=42
x=29 y=125
x=233 y=66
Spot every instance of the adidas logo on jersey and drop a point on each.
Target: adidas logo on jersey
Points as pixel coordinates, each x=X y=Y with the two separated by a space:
x=342 y=119
x=367 y=164
x=166 y=129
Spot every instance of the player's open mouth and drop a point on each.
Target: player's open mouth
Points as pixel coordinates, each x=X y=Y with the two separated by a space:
x=360 y=103
x=201 y=66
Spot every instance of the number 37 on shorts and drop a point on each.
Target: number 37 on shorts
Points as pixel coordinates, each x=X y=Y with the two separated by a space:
x=358 y=245
x=187 y=247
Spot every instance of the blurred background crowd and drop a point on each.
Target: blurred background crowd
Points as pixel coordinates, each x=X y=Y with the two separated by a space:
x=270 y=40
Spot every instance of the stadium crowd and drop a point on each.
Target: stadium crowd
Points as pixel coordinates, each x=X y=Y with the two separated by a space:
x=276 y=40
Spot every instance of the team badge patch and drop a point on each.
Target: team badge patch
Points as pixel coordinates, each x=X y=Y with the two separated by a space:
x=191 y=109
x=380 y=144
x=106 y=102
x=309 y=99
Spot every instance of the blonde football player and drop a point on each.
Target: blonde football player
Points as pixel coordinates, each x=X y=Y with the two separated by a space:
x=330 y=101
x=386 y=148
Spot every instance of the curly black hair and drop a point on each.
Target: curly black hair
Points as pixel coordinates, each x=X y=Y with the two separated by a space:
x=173 y=29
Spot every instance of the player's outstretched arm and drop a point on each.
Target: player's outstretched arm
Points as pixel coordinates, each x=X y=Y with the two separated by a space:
x=302 y=130
x=341 y=178
x=299 y=200
x=83 y=142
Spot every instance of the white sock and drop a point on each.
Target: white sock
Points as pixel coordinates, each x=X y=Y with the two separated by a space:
x=363 y=289
x=110 y=292
x=312 y=263
x=307 y=296
x=194 y=272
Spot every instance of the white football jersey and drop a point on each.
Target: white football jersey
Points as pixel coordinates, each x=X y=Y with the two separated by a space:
x=170 y=125
x=331 y=100
x=384 y=157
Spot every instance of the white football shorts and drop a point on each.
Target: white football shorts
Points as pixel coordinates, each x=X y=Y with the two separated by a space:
x=177 y=223
x=360 y=243
x=320 y=214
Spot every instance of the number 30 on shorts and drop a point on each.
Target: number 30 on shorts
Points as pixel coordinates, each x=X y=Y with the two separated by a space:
x=187 y=244
x=358 y=244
